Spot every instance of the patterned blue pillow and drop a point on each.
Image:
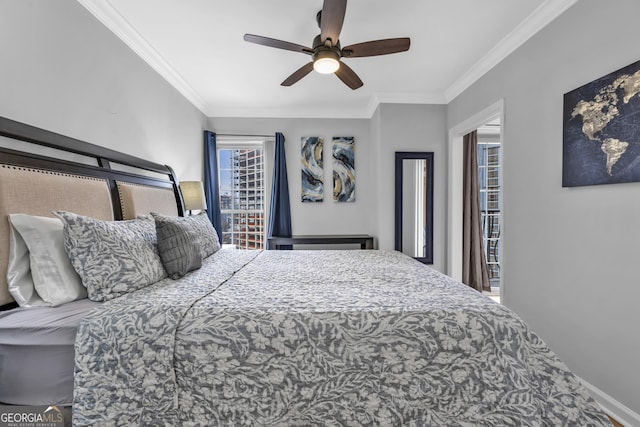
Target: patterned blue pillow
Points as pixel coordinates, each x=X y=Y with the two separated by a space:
x=112 y=258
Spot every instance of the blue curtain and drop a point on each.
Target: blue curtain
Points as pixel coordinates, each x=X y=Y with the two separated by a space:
x=211 y=188
x=280 y=212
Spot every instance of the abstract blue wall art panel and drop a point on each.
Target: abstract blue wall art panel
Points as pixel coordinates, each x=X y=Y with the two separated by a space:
x=312 y=168
x=344 y=178
x=601 y=138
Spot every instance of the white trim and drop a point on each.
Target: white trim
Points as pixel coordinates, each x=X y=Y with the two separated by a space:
x=540 y=18
x=454 y=190
x=334 y=112
x=410 y=98
x=401 y=98
x=298 y=113
x=454 y=206
x=374 y=103
x=107 y=14
x=543 y=15
x=616 y=410
x=241 y=142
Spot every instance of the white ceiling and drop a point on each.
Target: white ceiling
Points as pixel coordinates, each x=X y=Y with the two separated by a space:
x=198 y=47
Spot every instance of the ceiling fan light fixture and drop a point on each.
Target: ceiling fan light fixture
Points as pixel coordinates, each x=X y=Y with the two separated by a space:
x=326 y=62
x=326 y=50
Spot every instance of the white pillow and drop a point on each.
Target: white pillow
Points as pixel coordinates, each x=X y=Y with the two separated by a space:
x=54 y=279
x=19 y=273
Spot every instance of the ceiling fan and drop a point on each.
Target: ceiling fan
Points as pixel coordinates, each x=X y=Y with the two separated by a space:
x=327 y=52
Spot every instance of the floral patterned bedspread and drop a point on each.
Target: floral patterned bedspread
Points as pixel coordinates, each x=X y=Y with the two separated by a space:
x=327 y=338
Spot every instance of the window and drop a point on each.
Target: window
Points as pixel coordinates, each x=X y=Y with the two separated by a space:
x=489 y=170
x=242 y=198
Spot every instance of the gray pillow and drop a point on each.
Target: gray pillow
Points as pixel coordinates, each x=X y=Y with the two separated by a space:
x=112 y=258
x=201 y=227
x=178 y=246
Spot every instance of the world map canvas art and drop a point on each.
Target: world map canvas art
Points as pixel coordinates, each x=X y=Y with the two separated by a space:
x=601 y=137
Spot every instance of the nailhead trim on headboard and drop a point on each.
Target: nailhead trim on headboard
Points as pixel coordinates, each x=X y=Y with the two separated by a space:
x=49 y=172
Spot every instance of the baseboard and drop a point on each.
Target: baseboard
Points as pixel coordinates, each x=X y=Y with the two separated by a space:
x=616 y=410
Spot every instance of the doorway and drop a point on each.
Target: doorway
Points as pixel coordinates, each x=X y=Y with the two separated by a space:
x=490 y=124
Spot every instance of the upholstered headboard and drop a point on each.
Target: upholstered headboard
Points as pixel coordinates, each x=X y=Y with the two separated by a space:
x=36 y=184
x=137 y=199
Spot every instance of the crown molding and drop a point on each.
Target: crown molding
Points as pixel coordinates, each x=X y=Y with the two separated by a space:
x=332 y=113
x=403 y=98
x=540 y=18
x=298 y=113
x=110 y=18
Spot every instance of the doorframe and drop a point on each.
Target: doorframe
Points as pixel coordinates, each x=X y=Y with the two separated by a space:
x=455 y=183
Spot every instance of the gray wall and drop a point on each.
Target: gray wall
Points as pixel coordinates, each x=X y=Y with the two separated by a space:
x=393 y=128
x=570 y=254
x=412 y=128
x=326 y=217
x=62 y=70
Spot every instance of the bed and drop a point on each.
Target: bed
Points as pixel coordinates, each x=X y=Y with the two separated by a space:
x=232 y=337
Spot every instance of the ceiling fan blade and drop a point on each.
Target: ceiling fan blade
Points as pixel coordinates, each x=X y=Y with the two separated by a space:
x=278 y=44
x=377 y=47
x=331 y=20
x=298 y=74
x=348 y=76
